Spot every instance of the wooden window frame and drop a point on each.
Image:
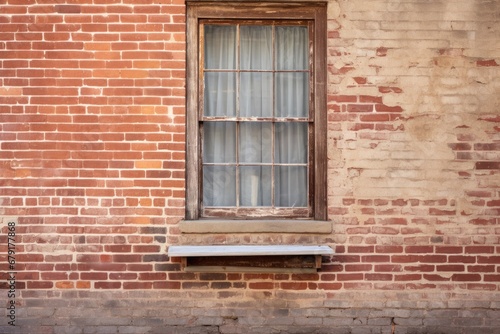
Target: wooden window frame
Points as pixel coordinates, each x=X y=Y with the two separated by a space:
x=244 y=10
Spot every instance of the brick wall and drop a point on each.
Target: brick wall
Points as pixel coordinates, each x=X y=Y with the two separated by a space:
x=92 y=114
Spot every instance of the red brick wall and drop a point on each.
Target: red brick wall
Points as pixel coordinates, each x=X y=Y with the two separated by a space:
x=92 y=140
x=92 y=120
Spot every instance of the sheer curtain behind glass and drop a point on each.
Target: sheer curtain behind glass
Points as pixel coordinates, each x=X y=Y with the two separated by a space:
x=292 y=100
x=251 y=160
x=219 y=138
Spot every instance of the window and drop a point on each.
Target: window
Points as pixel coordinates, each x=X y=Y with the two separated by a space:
x=256 y=124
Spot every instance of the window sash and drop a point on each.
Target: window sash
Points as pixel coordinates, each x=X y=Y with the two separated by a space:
x=230 y=178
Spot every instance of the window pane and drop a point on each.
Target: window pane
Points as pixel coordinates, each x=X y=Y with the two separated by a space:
x=252 y=71
x=290 y=143
x=256 y=98
x=220 y=47
x=256 y=48
x=255 y=187
x=292 y=48
x=255 y=142
x=292 y=94
x=220 y=94
x=290 y=186
x=219 y=186
x=219 y=140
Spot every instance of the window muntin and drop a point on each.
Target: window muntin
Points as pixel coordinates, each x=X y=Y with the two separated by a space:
x=256 y=117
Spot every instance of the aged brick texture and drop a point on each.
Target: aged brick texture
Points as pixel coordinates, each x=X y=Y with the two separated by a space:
x=92 y=160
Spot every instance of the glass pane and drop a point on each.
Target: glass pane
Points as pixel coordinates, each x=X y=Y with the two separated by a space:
x=292 y=94
x=220 y=94
x=290 y=143
x=292 y=44
x=219 y=186
x=290 y=184
x=220 y=47
x=256 y=48
x=256 y=98
x=255 y=142
x=219 y=142
x=255 y=187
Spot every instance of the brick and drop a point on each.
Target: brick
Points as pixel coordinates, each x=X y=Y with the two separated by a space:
x=388 y=249
x=375 y=258
x=486 y=147
x=137 y=285
x=360 y=249
x=450 y=268
x=360 y=108
x=481 y=221
x=385 y=108
x=487 y=165
x=420 y=268
x=461 y=259
x=107 y=285
x=330 y=286
x=481 y=287
x=420 y=249
x=481 y=269
x=194 y=285
x=350 y=277
x=407 y=277
x=440 y=212
x=449 y=250
x=261 y=285
x=488 y=259
x=491 y=278
x=358 y=267
x=466 y=277
x=486 y=62
x=379 y=277
x=293 y=285
x=460 y=146
x=39 y=285
x=479 y=249
x=387 y=268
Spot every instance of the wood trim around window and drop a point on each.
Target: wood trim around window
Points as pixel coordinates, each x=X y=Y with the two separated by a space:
x=304 y=10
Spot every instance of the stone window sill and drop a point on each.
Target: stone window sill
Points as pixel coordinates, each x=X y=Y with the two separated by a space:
x=213 y=226
x=250 y=258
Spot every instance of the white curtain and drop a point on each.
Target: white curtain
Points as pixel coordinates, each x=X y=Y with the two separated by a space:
x=255 y=163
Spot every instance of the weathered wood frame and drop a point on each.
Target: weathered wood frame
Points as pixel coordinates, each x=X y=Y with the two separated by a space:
x=304 y=10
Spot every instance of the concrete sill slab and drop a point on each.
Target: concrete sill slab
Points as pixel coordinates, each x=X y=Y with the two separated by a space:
x=205 y=226
x=250 y=258
x=247 y=250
